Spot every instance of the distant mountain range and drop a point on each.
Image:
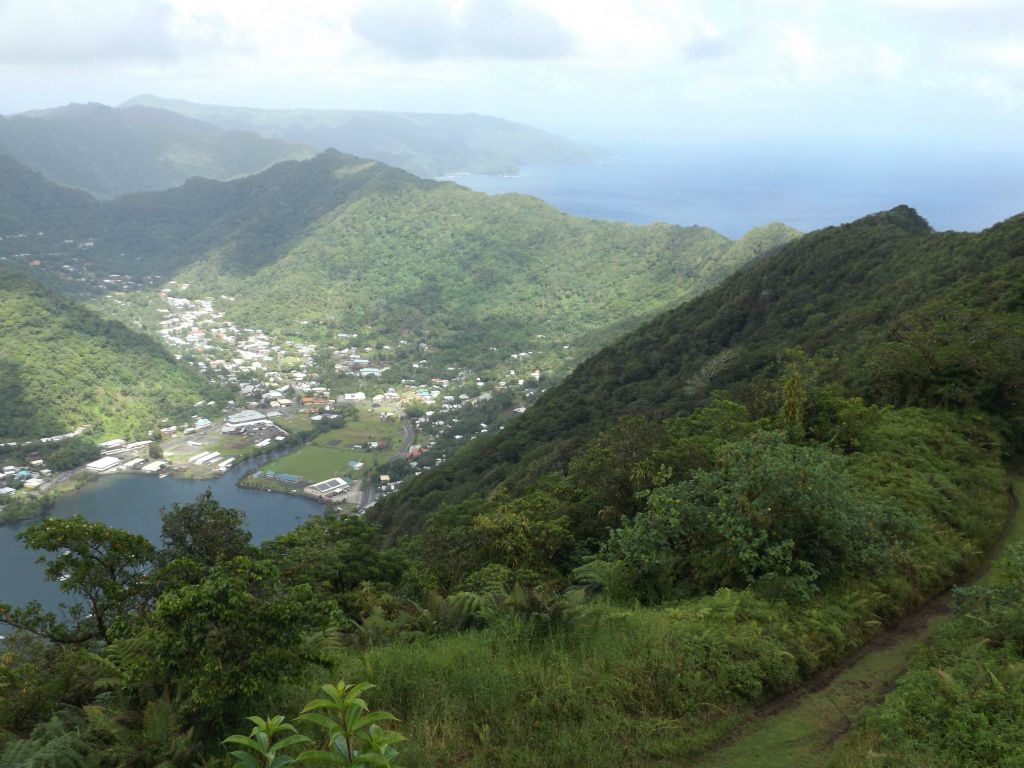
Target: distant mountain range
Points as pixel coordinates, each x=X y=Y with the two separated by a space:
x=421 y=143
x=347 y=243
x=150 y=144
x=109 y=152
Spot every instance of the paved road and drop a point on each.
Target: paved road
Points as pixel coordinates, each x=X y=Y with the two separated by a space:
x=366 y=498
x=408 y=433
x=368 y=494
x=60 y=477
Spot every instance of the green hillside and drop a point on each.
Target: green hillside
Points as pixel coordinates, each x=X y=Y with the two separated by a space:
x=63 y=366
x=913 y=317
x=109 y=152
x=669 y=564
x=256 y=217
x=424 y=144
x=349 y=244
x=469 y=272
x=29 y=202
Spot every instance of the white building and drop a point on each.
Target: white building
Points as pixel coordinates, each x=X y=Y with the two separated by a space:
x=245 y=418
x=103 y=465
x=327 y=489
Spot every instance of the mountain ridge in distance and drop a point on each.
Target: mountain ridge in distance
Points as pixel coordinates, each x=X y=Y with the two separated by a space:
x=427 y=144
x=109 y=152
x=365 y=243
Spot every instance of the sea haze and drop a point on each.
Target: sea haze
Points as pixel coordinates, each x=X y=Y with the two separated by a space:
x=732 y=189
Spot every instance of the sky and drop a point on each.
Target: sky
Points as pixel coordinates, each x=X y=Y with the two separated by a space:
x=943 y=73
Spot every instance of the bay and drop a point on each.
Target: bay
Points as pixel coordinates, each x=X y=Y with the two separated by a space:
x=133 y=502
x=734 y=188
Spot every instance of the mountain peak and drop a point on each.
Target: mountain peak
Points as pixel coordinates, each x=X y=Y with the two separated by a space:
x=902 y=216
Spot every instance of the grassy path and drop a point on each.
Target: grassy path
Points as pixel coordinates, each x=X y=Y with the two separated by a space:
x=802 y=729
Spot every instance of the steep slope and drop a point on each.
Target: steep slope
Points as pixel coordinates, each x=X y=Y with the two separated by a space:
x=28 y=201
x=109 y=152
x=469 y=272
x=912 y=316
x=424 y=144
x=62 y=366
x=349 y=243
x=157 y=233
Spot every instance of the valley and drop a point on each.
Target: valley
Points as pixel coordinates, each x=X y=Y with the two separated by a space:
x=310 y=455
x=371 y=251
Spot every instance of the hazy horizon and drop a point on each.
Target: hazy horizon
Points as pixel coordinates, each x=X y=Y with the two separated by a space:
x=947 y=74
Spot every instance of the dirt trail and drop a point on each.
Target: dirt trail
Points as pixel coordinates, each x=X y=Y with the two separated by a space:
x=799 y=728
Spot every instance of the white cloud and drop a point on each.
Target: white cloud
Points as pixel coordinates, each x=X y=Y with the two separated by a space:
x=431 y=29
x=47 y=32
x=635 y=63
x=803 y=53
x=1009 y=55
x=888 y=64
x=944 y=5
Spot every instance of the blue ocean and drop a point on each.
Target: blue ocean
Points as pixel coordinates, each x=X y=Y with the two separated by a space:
x=732 y=189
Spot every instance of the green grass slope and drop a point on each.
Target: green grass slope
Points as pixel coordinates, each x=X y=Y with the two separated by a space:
x=914 y=317
x=62 y=366
x=109 y=152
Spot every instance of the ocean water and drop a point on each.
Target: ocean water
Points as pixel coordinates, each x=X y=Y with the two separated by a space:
x=732 y=189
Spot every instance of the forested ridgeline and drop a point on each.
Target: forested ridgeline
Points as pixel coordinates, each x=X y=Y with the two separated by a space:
x=340 y=244
x=905 y=316
x=422 y=143
x=477 y=277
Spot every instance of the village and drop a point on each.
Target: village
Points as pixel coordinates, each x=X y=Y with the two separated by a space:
x=343 y=424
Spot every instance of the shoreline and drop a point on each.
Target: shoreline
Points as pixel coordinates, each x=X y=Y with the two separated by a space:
x=79 y=478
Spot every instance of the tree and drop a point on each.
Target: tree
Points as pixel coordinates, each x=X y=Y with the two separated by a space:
x=73 y=453
x=770 y=514
x=612 y=468
x=334 y=555
x=203 y=530
x=222 y=645
x=104 y=566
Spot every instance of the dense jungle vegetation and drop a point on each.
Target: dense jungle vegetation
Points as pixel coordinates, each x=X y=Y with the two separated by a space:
x=63 y=366
x=703 y=540
x=907 y=317
x=467 y=273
